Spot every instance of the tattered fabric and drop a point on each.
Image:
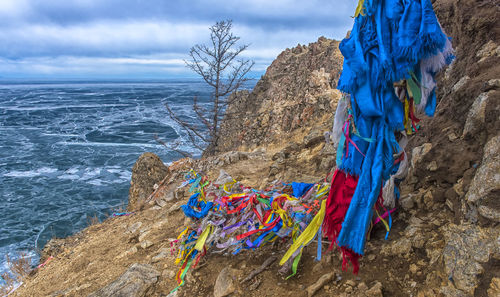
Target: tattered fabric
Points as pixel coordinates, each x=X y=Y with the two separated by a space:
x=391 y=41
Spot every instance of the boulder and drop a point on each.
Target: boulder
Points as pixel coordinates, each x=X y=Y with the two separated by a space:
x=419 y=152
x=461 y=83
x=137 y=281
x=494 y=289
x=468 y=247
x=148 y=170
x=484 y=190
x=225 y=284
x=477 y=115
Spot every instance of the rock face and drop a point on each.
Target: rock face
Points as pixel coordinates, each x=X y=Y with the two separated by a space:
x=468 y=248
x=135 y=282
x=477 y=114
x=494 y=289
x=288 y=112
x=282 y=103
x=148 y=170
x=484 y=192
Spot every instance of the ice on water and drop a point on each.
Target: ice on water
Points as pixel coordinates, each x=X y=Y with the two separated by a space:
x=67 y=149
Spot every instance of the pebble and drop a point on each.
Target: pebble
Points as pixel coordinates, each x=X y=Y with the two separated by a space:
x=350 y=283
x=375 y=291
x=161 y=202
x=159 y=224
x=134 y=227
x=163 y=254
x=362 y=286
x=432 y=166
x=143 y=236
x=167 y=273
x=146 y=244
x=322 y=281
x=127 y=253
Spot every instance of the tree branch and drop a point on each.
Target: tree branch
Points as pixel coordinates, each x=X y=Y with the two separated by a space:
x=218 y=66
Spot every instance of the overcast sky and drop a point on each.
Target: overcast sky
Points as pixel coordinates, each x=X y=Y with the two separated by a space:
x=150 y=38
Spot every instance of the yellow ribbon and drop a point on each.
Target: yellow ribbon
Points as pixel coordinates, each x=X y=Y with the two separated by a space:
x=203 y=237
x=406 y=121
x=226 y=189
x=383 y=221
x=322 y=192
x=308 y=235
x=360 y=9
x=183 y=233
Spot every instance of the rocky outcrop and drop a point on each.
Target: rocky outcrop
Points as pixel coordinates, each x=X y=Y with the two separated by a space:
x=483 y=196
x=137 y=281
x=454 y=176
x=288 y=112
x=476 y=119
x=296 y=93
x=147 y=172
x=468 y=248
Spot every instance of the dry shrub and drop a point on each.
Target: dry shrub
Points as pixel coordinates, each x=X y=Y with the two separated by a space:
x=20 y=266
x=120 y=208
x=18 y=269
x=7 y=285
x=93 y=220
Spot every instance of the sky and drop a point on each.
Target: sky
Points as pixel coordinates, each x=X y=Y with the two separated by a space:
x=152 y=38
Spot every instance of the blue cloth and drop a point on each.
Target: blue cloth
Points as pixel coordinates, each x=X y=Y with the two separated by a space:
x=299 y=189
x=384 y=46
x=191 y=208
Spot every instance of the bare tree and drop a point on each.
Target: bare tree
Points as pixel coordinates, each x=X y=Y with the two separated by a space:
x=219 y=65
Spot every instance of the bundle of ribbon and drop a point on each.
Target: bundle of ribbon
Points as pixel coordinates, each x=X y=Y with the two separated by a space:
x=390 y=59
x=229 y=218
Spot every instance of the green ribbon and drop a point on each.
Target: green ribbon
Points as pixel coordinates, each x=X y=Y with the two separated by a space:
x=265 y=201
x=413 y=85
x=195 y=184
x=295 y=264
x=182 y=276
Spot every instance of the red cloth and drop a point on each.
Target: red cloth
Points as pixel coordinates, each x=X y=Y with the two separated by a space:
x=337 y=204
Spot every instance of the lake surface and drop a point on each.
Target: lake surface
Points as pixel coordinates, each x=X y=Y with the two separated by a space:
x=67 y=150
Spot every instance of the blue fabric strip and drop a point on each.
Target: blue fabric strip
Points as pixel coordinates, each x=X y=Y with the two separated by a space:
x=383 y=47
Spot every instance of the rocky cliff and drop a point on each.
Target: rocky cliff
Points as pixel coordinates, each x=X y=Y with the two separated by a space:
x=288 y=111
x=445 y=239
x=296 y=93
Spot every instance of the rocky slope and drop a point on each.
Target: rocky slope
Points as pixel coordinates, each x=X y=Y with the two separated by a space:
x=296 y=94
x=288 y=111
x=445 y=239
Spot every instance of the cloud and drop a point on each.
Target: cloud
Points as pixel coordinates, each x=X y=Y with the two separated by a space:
x=88 y=67
x=62 y=36
x=98 y=38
